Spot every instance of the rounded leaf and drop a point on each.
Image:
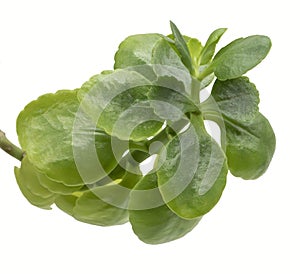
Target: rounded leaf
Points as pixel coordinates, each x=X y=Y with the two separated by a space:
x=91 y=208
x=158 y=224
x=236 y=99
x=241 y=55
x=249 y=147
x=45 y=130
x=193 y=172
x=28 y=180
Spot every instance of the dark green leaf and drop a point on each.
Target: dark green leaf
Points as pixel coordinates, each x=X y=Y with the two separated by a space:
x=249 y=146
x=193 y=172
x=236 y=99
x=239 y=56
x=156 y=224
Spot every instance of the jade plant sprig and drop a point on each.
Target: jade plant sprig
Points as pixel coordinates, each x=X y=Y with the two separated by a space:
x=83 y=149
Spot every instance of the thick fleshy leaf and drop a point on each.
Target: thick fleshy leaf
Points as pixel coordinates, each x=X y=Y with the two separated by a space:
x=155 y=58
x=88 y=85
x=164 y=54
x=107 y=205
x=210 y=46
x=57 y=187
x=171 y=105
x=239 y=56
x=249 y=146
x=66 y=203
x=119 y=105
x=195 y=48
x=182 y=47
x=193 y=172
x=130 y=116
x=28 y=181
x=236 y=99
x=136 y=50
x=45 y=130
x=157 y=224
x=90 y=208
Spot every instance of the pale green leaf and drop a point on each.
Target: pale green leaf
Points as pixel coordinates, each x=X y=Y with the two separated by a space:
x=210 y=46
x=45 y=130
x=28 y=181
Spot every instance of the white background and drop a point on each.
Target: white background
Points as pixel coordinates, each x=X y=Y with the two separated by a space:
x=50 y=45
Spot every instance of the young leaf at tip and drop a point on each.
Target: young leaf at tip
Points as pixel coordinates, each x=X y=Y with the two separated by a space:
x=182 y=47
x=210 y=46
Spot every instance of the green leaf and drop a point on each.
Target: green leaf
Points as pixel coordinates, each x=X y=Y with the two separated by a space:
x=28 y=180
x=107 y=205
x=193 y=172
x=57 y=187
x=195 y=48
x=163 y=53
x=157 y=224
x=88 y=85
x=249 y=138
x=249 y=146
x=171 y=105
x=236 y=99
x=130 y=116
x=46 y=133
x=168 y=69
x=162 y=65
x=210 y=46
x=182 y=47
x=160 y=60
x=120 y=106
x=66 y=203
x=239 y=56
x=91 y=208
x=136 y=50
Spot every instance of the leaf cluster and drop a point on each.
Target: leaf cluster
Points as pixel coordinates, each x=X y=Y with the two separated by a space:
x=84 y=147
